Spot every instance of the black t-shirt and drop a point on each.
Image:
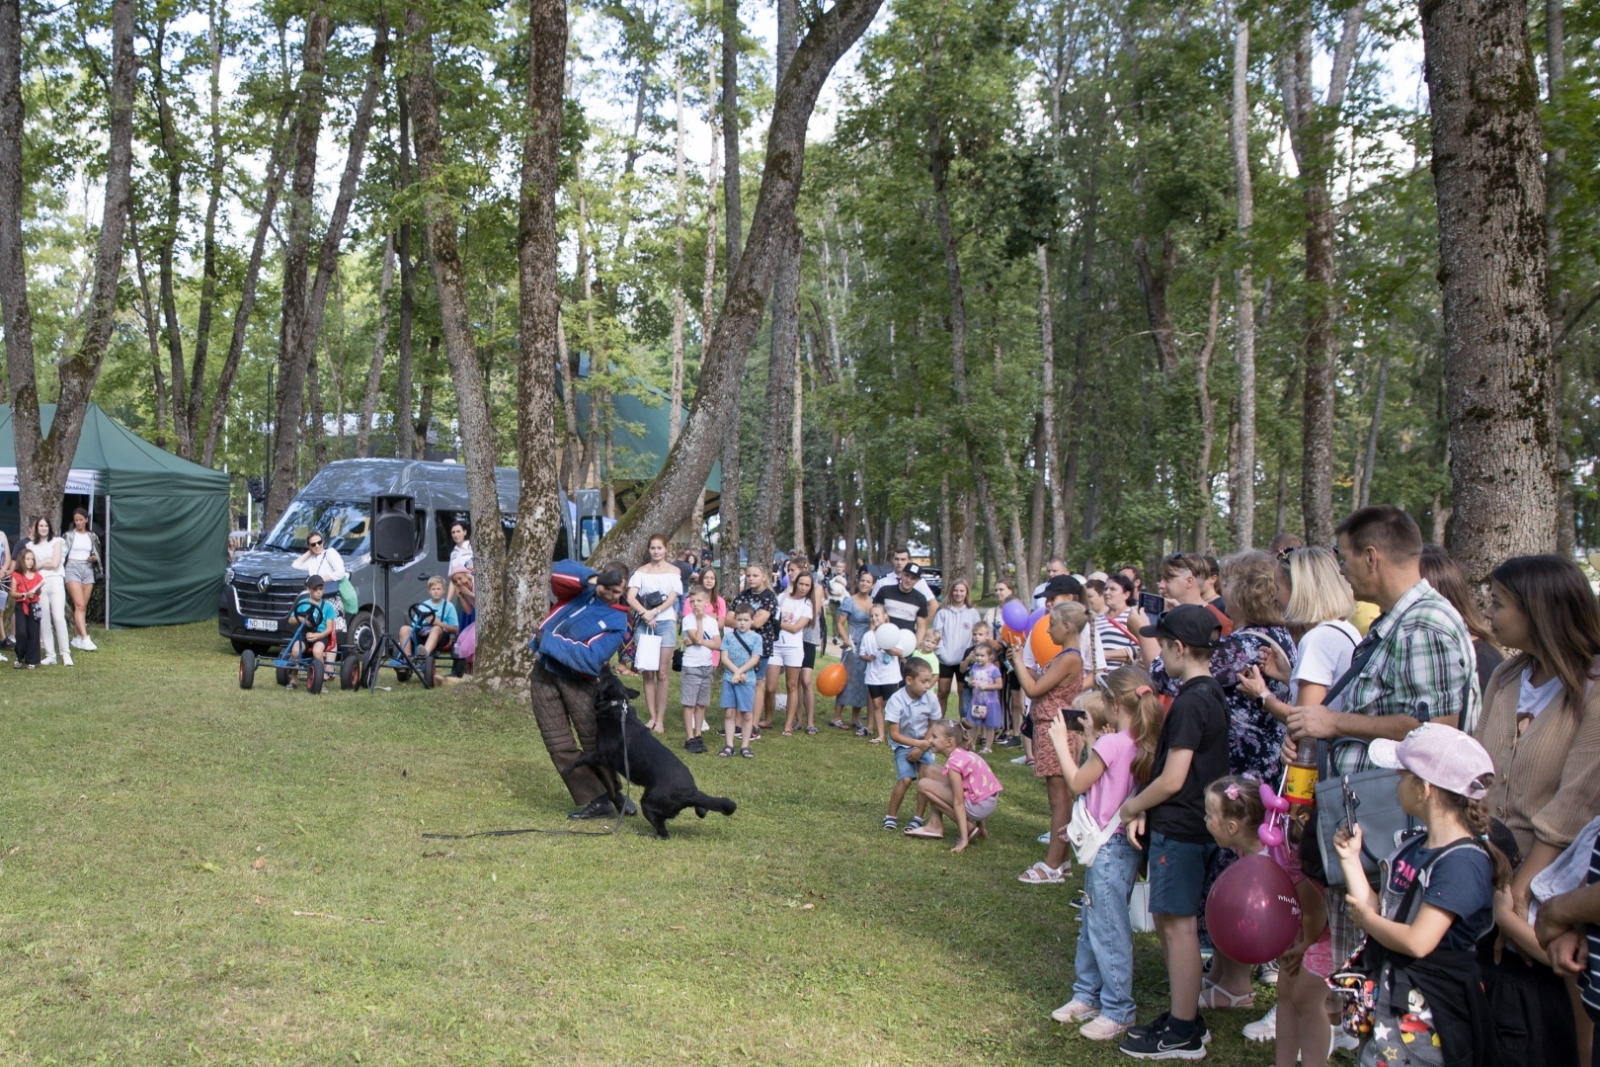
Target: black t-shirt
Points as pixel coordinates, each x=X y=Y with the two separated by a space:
x=766 y=601
x=1461 y=882
x=904 y=608
x=1198 y=721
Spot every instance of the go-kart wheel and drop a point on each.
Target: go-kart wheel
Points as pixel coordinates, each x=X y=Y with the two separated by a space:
x=427 y=671
x=314 y=677
x=350 y=672
x=247 y=669
x=282 y=675
x=402 y=674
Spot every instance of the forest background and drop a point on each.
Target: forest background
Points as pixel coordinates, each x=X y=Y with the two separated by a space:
x=1096 y=278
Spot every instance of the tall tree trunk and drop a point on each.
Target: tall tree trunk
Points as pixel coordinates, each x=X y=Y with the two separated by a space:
x=1365 y=496
x=369 y=400
x=796 y=456
x=1208 y=420
x=296 y=261
x=731 y=29
x=316 y=422
x=1499 y=371
x=247 y=295
x=1036 y=518
x=675 y=412
x=1312 y=130
x=1555 y=65
x=42 y=462
x=404 y=412
x=505 y=655
x=672 y=493
x=208 y=268
x=166 y=269
x=152 y=329
x=1050 y=463
x=472 y=408
x=779 y=402
x=1243 y=509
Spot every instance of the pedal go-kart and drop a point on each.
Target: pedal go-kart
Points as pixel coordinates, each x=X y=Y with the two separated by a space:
x=285 y=665
x=404 y=660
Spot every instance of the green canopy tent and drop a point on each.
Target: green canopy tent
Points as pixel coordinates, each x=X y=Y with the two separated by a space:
x=163 y=521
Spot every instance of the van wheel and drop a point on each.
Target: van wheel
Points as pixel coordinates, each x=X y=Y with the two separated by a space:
x=427 y=671
x=363 y=633
x=247 y=669
x=314 y=676
x=239 y=646
x=350 y=671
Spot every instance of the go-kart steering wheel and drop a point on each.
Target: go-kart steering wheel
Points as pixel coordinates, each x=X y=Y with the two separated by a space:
x=421 y=616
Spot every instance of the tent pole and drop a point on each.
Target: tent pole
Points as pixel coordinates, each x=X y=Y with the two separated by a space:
x=108 y=561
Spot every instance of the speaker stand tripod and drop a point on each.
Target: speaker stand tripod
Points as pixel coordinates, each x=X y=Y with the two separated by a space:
x=386 y=649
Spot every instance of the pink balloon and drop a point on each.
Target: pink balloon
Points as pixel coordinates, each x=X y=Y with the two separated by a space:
x=1271 y=800
x=1252 y=913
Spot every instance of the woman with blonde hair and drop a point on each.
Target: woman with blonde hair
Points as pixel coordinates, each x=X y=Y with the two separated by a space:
x=1320 y=603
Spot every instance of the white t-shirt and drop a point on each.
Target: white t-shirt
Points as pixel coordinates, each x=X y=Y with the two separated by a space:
x=670 y=583
x=43 y=551
x=79 y=546
x=1325 y=653
x=461 y=554
x=700 y=655
x=882 y=668
x=893 y=579
x=329 y=566
x=1532 y=699
x=792 y=610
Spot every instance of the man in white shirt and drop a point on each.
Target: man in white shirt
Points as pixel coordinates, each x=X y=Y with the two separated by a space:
x=1056 y=568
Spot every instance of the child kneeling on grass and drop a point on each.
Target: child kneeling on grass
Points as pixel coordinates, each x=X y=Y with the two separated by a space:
x=1121 y=728
x=908 y=714
x=967 y=789
x=741 y=655
x=1192 y=752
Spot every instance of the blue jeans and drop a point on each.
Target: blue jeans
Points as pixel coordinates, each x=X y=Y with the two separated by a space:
x=1105 y=939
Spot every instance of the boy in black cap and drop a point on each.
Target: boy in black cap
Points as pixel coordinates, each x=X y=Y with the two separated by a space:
x=1191 y=753
x=907 y=607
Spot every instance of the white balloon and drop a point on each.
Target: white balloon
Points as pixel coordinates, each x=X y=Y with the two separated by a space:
x=907 y=643
x=887 y=636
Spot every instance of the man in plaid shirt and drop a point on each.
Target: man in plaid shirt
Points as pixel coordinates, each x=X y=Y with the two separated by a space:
x=1415 y=665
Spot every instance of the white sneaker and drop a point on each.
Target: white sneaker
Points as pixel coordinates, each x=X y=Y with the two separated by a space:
x=89 y=645
x=74 y=642
x=1020 y=760
x=1265 y=1028
x=48 y=661
x=66 y=659
x=1075 y=1011
x=1339 y=1039
x=1103 y=1029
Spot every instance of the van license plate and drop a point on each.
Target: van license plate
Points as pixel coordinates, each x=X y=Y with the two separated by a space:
x=269 y=625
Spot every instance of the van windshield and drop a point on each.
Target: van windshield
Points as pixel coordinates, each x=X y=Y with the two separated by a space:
x=342 y=524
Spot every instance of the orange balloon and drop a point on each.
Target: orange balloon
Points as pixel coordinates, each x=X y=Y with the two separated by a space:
x=1010 y=636
x=1044 y=649
x=831 y=680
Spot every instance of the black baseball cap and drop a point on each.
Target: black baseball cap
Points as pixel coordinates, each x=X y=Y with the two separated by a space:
x=1191 y=624
x=1062 y=585
x=912 y=571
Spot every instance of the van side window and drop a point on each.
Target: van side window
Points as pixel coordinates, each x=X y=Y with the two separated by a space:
x=422 y=532
x=447 y=518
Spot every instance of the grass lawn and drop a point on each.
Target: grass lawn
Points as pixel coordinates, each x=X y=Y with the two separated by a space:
x=190 y=873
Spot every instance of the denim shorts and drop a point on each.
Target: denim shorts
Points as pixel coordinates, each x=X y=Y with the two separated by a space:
x=1178 y=875
x=738 y=696
x=902 y=761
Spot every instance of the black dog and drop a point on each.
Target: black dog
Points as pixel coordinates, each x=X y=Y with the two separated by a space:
x=668 y=785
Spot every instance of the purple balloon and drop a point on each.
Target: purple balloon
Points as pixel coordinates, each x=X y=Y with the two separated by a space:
x=1033 y=620
x=1015 y=615
x=1253 y=913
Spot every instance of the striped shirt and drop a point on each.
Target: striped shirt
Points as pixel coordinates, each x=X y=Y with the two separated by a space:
x=1114 y=635
x=1590 y=979
x=1423 y=666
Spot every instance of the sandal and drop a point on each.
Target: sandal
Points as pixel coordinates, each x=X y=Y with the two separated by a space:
x=917 y=822
x=838 y=724
x=746 y=753
x=874 y=740
x=1041 y=873
x=811 y=729
x=1214 y=996
x=788 y=733
x=727 y=750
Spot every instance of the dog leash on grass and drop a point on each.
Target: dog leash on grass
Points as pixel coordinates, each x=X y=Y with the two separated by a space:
x=622 y=812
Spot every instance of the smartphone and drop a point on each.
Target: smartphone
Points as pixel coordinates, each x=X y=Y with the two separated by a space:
x=1351 y=803
x=1152 y=605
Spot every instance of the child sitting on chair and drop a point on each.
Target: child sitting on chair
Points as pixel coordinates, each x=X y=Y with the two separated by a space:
x=318 y=616
x=441 y=631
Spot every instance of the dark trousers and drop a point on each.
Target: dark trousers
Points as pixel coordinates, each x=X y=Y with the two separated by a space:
x=563 y=707
x=27 y=636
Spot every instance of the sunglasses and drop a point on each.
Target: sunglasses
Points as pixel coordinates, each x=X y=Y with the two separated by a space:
x=313 y=544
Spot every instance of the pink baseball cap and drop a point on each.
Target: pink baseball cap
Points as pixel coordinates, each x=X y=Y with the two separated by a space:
x=1440 y=755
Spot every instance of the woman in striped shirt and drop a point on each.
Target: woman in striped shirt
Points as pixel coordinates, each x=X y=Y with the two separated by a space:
x=1108 y=604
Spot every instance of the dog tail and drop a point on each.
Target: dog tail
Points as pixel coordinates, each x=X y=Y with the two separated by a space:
x=704 y=803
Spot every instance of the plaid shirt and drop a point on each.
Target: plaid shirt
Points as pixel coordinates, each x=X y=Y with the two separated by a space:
x=1424 y=666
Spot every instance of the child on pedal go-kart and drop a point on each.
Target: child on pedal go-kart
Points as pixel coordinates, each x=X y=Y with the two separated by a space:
x=434 y=622
x=318 y=616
